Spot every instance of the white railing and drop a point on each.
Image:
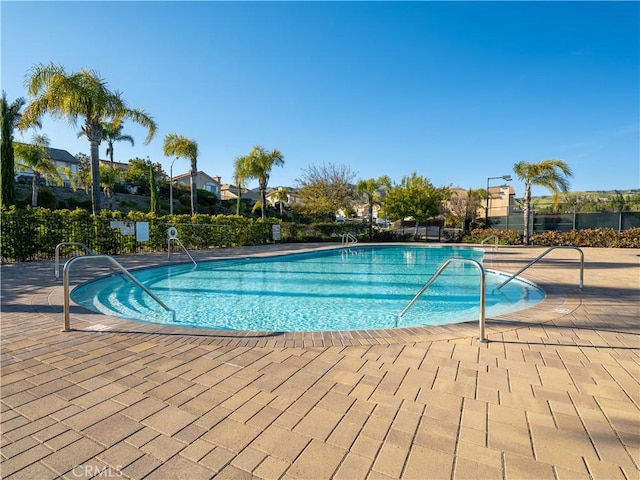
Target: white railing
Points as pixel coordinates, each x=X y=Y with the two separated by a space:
x=348 y=238
x=495 y=241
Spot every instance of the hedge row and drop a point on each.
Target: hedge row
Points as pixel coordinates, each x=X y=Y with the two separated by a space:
x=33 y=233
x=593 y=237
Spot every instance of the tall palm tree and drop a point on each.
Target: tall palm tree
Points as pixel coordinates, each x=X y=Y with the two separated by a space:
x=111 y=133
x=9 y=116
x=261 y=162
x=552 y=174
x=241 y=172
x=182 y=147
x=35 y=157
x=82 y=94
x=370 y=189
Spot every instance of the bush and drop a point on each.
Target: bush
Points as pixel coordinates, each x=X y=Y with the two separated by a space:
x=505 y=237
x=595 y=237
x=33 y=233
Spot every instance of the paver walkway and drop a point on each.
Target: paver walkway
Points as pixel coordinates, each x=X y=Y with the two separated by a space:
x=555 y=394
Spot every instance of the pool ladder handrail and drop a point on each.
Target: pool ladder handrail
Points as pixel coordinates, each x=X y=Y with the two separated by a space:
x=57 y=255
x=535 y=260
x=348 y=238
x=65 y=282
x=433 y=278
x=495 y=243
x=183 y=247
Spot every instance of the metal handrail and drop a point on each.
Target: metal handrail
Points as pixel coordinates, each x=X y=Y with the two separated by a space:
x=479 y=267
x=542 y=255
x=183 y=247
x=114 y=262
x=57 y=262
x=495 y=243
x=348 y=238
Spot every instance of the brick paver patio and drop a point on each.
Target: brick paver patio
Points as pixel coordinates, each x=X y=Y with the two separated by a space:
x=555 y=394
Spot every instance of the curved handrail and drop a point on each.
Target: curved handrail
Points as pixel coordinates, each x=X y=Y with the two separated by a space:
x=114 y=262
x=57 y=262
x=542 y=255
x=480 y=269
x=183 y=247
x=172 y=234
x=495 y=243
x=348 y=238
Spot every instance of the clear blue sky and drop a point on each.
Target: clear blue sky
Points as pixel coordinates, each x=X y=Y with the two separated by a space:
x=456 y=91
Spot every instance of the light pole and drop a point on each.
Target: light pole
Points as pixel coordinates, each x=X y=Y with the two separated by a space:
x=171 y=187
x=506 y=178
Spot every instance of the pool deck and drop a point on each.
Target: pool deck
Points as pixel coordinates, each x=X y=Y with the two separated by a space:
x=554 y=394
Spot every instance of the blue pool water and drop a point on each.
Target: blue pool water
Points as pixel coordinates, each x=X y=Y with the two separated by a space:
x=358 y=288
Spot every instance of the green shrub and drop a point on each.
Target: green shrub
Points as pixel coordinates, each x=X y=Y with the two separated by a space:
x=505 y=237
x=595 y=237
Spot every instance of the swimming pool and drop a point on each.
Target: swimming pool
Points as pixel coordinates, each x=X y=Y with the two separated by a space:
x=356 y=288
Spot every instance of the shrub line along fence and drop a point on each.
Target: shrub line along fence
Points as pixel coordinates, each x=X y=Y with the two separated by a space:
x=33 y=233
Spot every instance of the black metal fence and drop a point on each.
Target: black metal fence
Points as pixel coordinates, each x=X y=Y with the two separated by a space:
x=565 y=222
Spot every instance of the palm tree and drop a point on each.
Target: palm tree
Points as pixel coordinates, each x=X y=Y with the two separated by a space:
x=111 y=133
x=34 y=157
x=240 y=173
x=9 y=116
x=109 y=176
x=82 y=94
x=282 y=196
x=552 y=174
x=260 y=164
x=182 y=147
x=370 y=189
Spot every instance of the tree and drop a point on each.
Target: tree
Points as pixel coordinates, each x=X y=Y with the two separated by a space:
x=154 y=207
x=325 y=189
x=241 y=172
x=415 y=197
x=182 y=147
x=35 y=157
x=282 y=196
x=371 y=189
x=111 y=133
x=464 y=209
x=109 y=176
x=81 y=178
x=9 y=116
x=552 y=174
x=82 y=94
x=259 y=163
x=137 y=175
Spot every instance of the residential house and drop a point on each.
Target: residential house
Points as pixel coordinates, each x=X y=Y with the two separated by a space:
x=230 y=192
x=61 y=159
x=499 y=201
x=119 y=165
x=292 y=197
x=203 y=181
